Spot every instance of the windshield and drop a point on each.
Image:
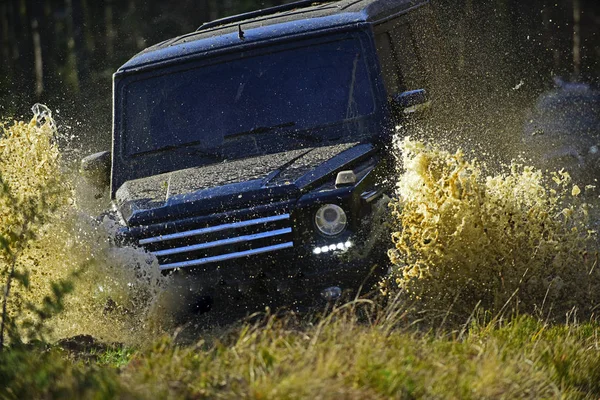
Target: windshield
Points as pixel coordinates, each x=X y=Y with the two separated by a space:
x=251 y=99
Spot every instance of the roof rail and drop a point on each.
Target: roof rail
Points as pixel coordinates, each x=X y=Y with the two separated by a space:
x=262 y=13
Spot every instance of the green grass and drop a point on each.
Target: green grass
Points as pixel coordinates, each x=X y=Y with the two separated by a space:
x=336 y=356
x=29 y=373
x=116 y=356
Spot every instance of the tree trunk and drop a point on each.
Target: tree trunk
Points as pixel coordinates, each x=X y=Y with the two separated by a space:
x=110 y=29
x=37 y=54
x=78 y=49
x=576 y=39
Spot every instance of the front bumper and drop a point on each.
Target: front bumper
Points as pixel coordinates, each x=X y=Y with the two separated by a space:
x=285 y=278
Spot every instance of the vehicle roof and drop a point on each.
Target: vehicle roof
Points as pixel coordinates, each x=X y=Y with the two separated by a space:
x=290 y=19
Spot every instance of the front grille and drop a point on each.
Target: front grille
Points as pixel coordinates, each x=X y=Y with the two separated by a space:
x=218 y=242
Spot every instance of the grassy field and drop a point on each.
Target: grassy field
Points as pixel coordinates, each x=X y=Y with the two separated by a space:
x=354 y=351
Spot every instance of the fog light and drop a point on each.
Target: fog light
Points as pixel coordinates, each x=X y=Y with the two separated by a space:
x=342 y=246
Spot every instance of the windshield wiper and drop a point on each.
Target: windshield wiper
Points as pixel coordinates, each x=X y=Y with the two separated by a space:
x=189 y=147
x=260 y=130
x=301 y=135
x=295 y=134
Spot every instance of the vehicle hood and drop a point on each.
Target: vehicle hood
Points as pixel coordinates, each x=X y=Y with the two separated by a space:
x=233 y=184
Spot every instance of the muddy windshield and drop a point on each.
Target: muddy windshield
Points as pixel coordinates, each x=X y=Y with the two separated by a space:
x=250 y=104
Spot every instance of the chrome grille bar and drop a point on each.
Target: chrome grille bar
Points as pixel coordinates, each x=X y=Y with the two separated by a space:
x=223 y=242
x=229 y=256
x=211 y=229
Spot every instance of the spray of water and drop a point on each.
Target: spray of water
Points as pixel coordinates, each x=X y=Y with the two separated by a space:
x=117 y=289
x=462 y=238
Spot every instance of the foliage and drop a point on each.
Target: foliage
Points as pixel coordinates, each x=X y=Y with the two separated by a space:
x=462 y=240
x=29 y=373
x=356 y=351
x=340 y=357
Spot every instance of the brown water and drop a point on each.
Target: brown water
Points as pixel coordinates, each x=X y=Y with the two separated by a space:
x=517 y=238
x=117 y=289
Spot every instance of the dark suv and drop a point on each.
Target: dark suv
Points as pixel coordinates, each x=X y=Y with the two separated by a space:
x=252 y=151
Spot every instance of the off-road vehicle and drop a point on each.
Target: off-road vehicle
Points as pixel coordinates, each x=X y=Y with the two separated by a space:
x=251 y=152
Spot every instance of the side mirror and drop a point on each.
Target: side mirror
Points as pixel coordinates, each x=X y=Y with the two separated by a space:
x=410 y=102
x=95 y=169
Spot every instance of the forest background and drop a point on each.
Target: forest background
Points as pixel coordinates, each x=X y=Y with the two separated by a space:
x=63 y=52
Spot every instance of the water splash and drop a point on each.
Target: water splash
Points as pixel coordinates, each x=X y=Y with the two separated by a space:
x=42 y=116
x=117 y=290
x=462 y=238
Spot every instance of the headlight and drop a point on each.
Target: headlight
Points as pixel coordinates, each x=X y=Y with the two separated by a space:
x=330 y=220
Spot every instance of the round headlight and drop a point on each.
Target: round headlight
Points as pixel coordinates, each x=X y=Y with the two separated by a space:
x=330 y=220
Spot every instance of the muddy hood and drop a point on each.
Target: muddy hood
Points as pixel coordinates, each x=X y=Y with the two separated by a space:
x=233 y=184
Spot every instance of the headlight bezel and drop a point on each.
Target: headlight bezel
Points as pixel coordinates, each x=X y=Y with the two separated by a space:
x=328 y=227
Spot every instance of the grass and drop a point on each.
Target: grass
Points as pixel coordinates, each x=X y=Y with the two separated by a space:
x=116 y=357
x=353 y=352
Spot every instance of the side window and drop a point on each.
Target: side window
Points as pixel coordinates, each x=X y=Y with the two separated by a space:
x=389 y=66
x=405 y=51
x=400 y=56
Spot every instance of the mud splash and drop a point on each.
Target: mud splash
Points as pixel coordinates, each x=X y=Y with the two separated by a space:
x=117 y=290
x=461 y=239
x=520 y=239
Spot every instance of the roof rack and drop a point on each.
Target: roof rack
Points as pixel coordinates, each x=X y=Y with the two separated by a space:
x=262 y=13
